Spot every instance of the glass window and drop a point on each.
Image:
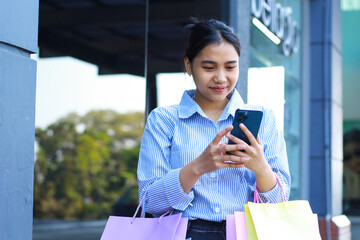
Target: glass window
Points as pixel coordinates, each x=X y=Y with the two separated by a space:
x=275 y=73
x=350 y=14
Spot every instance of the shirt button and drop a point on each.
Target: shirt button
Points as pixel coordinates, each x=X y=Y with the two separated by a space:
x=212 y=175
x=217 y=210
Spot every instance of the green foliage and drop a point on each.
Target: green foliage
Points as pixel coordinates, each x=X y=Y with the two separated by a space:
x=86 y=164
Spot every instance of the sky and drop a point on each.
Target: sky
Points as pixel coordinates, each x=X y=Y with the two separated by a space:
x=66 y=84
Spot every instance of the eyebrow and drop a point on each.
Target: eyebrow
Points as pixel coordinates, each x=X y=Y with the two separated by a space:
x=212 y=62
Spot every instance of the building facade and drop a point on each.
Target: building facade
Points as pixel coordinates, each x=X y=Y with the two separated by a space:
x=293 y=50
x=18 y=39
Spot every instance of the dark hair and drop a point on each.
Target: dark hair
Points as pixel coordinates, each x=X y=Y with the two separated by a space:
x=204 y=32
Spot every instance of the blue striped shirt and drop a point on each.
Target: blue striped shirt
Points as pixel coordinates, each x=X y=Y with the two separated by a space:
x=176 y=135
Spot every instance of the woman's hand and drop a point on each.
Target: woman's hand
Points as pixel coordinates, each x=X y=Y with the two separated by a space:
x=256 y=159
x=214 y=157
x=253 y=152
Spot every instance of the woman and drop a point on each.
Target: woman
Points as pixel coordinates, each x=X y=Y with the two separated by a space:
x=182 y=159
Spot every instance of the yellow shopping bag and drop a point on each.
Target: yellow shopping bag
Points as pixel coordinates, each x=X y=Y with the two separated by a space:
x=281 y=221
x=250 y=228
x=286 y=220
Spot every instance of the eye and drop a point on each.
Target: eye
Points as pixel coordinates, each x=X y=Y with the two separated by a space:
x=230 y=67
x=208 y=67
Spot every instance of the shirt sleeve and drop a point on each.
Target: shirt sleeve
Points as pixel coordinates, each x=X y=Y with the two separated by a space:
x=275 y=153
x=154 y=169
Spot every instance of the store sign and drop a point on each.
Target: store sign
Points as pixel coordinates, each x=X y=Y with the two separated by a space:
x=278 y=20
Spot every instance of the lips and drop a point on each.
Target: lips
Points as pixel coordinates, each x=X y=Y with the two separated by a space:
x=218 y=89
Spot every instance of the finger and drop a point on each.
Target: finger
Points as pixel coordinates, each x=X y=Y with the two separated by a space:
x=234 y=165
x=249 y=135
x=240 y=153
x=221 y=148
x=221 y=134
x=235 y=159
x=233 y=147
x=258 y=140
x=234 y=139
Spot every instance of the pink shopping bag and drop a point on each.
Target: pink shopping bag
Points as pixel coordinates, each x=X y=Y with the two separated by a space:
x=240 y=224
x=236 y=226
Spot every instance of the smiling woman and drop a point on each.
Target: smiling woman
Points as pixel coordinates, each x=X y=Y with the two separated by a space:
x=181 y=164
x=215 y=72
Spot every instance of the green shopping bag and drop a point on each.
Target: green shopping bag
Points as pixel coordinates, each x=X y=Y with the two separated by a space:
x=281 y=221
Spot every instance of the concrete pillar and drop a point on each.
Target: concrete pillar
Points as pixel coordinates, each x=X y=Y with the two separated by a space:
x=326 y=108
x=326 y=118
x=18 y=39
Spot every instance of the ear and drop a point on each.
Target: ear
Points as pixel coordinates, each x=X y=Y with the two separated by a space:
x=187 y=65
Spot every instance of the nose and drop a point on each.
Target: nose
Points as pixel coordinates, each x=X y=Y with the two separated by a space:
x=220 y=76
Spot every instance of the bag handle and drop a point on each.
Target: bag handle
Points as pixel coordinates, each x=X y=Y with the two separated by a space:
x=257 y=198
x=142 y=203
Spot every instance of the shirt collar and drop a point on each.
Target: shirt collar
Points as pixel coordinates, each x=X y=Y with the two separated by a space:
x=188 y=106
x=235 y=102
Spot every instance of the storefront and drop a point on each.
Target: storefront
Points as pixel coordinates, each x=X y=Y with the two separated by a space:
x=351 y=113
x=271 y=70
x=274 y=75
x=291 y=62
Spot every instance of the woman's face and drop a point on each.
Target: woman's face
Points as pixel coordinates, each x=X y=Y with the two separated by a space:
x=215 y=71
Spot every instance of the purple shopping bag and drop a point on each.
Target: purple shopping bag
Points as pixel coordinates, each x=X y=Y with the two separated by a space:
x=166 y=227
x=230 y=227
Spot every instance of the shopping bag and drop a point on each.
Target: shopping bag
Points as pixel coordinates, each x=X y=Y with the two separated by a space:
x=230 y=227
x=166 y=227
x=169 y=227
x=241 y=232
x=250 y=228
x=281 y=221
x=236 y=226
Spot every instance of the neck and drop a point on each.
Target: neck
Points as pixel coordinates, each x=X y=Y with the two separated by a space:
x=211 y=109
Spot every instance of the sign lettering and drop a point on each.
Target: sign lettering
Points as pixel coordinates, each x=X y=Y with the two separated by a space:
x=278 y=20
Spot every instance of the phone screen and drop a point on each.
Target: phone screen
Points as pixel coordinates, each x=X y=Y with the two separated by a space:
x=251 y=119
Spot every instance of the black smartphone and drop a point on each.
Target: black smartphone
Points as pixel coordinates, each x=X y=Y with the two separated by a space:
x=251 y=119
